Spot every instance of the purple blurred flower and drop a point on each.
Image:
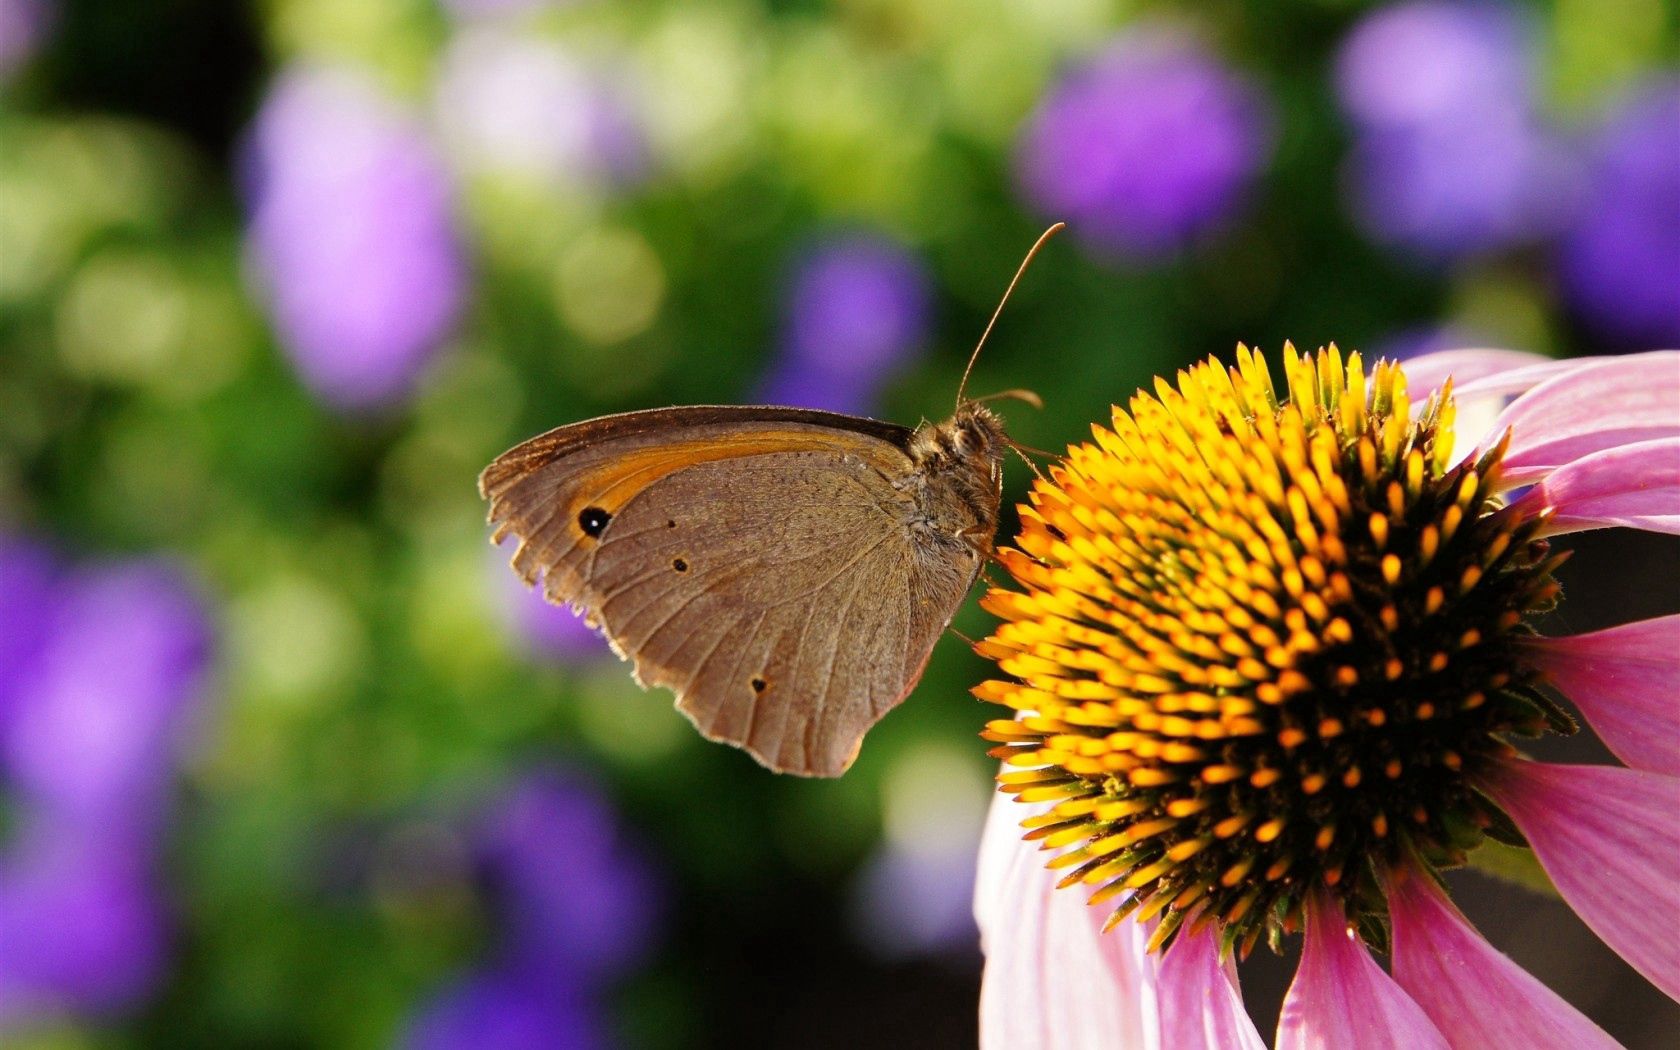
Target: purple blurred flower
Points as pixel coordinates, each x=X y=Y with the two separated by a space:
x=497 y=1009
x=81 y=927
x=352 y=236
x=96 y=720
x=1449 y=157
x=521 y=104
x=28 y=588
x=857 y=307
x=24 y=25
x=1145 y=146
x=1420 y=340
x=803 y=385
x=1621 y=258
x=574 y=906
x=1417 y=63
x=547 y=630
x=575 y=898
x=918 y=902
x=100 y=669
x=1486 y=181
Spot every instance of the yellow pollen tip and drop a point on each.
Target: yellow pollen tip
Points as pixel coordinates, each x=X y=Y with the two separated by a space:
x=1378 y=525
x=1236 y=873
x=1186 y=850
x=1231 y=825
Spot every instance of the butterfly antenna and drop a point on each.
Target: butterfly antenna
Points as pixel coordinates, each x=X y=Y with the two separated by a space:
x=1017 y=449
x=1046 y=235
x=1026 y=397
x=1046 y=453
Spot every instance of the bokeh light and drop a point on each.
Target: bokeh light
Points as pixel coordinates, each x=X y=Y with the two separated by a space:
x=520 y=105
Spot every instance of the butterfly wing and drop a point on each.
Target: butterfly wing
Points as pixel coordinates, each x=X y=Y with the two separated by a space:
x=760 y=563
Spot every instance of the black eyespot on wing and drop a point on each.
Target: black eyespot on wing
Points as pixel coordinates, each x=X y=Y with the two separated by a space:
x=759 y=685
x=671 y=524
x=679 y=565
x=593 y=521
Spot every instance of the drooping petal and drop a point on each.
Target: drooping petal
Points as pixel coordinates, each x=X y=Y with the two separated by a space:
x=1481 y=398
x=1626 y=681
x=1603 y=404
x=1475 y=995
x=1511 y=383
x=1341 y=998
x=1053 y=979
x=1609 y=839
x=1633 y=486
x=995 y=867
x=1426 y=373
x=1201 y=1005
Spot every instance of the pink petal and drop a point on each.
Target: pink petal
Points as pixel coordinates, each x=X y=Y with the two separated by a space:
x=1426 y=373
x=1053 y=979
x=1632 y=486
x=1512 y=383
x=1475 y=995
x=1626 y=681
x=1602 y=404
x=1200 y=1003
x=1341 y=998
x=1610 y=841
x=1480 y=401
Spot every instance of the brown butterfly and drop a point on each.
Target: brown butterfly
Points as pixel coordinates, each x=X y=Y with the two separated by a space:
x=784 y=571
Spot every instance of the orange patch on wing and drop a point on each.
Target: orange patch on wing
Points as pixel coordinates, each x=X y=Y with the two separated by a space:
x=615 y=483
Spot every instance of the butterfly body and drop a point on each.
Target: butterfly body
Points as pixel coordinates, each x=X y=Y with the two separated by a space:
x=785 y=572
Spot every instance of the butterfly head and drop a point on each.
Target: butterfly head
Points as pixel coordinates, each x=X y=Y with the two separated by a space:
x=973 y=437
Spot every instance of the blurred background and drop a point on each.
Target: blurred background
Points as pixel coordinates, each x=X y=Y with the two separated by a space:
x=287 y=756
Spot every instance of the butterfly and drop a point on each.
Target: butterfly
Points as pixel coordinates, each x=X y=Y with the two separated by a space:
x=784 y=571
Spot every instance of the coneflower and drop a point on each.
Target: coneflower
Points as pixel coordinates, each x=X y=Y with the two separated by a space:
x=1271 y=663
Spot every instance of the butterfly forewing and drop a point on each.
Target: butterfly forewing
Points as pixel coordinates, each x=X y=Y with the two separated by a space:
x=759 y=562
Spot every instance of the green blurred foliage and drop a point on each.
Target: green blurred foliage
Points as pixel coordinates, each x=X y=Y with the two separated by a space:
x=368 y=686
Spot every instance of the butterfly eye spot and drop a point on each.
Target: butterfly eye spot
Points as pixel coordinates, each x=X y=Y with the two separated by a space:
x=671 y=523
x=759 y=685
x=679 y=565
x=593 y=521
